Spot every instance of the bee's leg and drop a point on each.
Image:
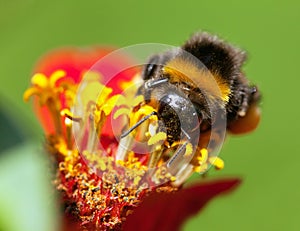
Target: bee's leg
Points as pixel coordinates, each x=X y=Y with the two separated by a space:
x=250 y=94
x=154 y=83
x=180 y=151
x=255 y=95
x=186 y=134
x=244 y=103
x=126 y=133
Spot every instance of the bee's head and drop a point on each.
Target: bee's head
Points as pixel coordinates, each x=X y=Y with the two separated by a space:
x=175 y=110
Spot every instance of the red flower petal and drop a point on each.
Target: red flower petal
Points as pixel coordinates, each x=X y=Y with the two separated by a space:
x=164 y=211
x=75 y=60
x=70 y=59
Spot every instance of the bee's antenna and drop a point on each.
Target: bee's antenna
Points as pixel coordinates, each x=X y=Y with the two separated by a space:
x=137 y=124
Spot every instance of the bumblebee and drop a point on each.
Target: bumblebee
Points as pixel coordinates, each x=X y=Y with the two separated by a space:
x=197 y=84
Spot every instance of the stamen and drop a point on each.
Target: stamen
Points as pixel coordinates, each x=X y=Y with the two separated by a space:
x=121 y=111
x=217 y=162
x=123 y=147
x=154 y=158
x=160 y=136
x=68 y=124
x=70 y=116
x=92 y=140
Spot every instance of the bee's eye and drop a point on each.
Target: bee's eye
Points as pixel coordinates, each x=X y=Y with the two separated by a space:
x=150 y=68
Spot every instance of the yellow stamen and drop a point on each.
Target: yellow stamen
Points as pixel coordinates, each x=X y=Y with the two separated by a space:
x=204 y=155
x=217 y=162
x=137 y=100
x=143 y=111
x=161 y=136
x=110 y=104
x=121 y=111
x=39 y=80
x=57 y=75
x=201 y=169
x=104 y=93
x=30 y=92
x=67 y=113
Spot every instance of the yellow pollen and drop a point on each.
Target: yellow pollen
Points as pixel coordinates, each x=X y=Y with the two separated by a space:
x=188 y=149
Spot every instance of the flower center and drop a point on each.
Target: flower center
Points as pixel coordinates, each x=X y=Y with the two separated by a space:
x=106 y=175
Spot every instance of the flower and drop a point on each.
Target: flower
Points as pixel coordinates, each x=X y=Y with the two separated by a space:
x=108 y=182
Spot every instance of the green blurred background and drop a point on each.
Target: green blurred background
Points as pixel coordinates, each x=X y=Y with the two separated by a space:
x=268 y=160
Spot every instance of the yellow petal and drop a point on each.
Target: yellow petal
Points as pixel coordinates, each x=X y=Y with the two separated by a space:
x=56 y=76
x=40 y=80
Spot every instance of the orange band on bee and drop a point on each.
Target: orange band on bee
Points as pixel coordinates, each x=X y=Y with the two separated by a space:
x=212 y=84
